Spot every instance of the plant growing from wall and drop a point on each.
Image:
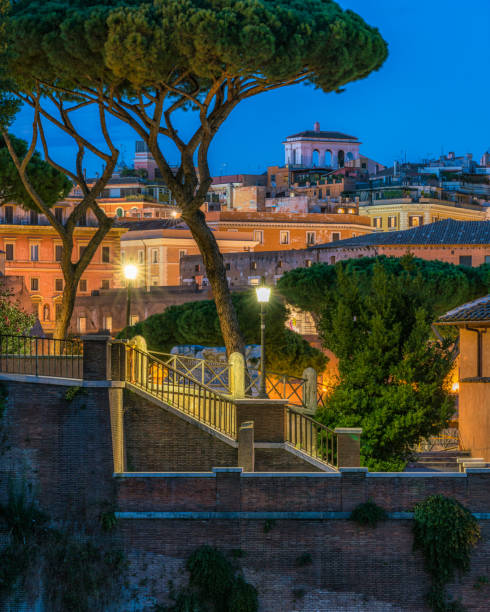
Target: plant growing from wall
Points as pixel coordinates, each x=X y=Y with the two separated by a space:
x=368 y=514
x=215 y=584
x=445 y=532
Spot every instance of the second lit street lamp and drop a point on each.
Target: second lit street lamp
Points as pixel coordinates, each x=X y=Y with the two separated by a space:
x=263 y=295
x=130 y=274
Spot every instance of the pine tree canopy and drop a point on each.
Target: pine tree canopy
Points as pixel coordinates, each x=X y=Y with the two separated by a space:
x=132 y=45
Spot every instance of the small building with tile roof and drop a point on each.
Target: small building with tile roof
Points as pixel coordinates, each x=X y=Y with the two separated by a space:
x=473 y=321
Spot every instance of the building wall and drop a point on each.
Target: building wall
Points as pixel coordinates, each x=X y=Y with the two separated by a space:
x=474 y=392
x=405 y=213
x=40 y=276
x=249 y=198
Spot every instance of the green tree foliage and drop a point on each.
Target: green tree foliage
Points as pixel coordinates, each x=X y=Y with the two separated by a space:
x=50 y=184
x=375 y=314
x=14 y=321
x=445 y=532
x=197 y=323
x=145 y=61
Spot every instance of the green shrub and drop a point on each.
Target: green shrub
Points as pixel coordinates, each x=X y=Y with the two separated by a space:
x=445 y=532
x=243 y=597
x=368 y=514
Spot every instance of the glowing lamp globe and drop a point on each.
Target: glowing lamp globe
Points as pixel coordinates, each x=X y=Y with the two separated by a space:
x=130 y=272
x=263 y=294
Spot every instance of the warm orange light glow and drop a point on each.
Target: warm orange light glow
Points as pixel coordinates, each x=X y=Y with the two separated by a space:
x=455 y=387
x=130 y=272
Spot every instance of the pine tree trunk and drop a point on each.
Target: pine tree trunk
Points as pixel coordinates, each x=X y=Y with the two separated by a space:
x=216 y=274
x=67 y=306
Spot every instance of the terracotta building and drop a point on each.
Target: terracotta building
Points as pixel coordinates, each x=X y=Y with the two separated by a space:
x=33 y=251
x=156 y=247
x=457 y=242
x=473 y=322
x=283 y=231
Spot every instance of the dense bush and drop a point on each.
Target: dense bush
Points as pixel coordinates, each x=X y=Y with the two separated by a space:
x=197 y=323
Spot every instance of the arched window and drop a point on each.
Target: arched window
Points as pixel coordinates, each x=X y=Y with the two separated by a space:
x=349 y=156
x=315 y=158
x=328 y=157
x=46 y=315
x=293 y=158
x=340 y=158
x=119 y=212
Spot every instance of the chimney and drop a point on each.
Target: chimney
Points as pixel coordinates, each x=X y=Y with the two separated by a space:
x=316 y=127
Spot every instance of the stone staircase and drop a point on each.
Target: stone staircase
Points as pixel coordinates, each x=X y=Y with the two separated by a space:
x=437 y=461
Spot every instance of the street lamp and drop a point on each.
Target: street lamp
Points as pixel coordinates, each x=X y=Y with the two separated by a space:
x=130 y=273
x=263 y=295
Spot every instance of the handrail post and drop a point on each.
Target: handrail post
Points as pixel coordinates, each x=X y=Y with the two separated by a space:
x=96 y=357
x=348 y=446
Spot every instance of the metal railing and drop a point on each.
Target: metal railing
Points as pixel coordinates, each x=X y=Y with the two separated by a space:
x=41 y=356
x=311 y=437
x=278 y=386
x=446 y=439
x=181 y=391
x=214 y=374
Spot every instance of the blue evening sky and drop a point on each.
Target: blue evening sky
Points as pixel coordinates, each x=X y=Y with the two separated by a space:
x=432 y=95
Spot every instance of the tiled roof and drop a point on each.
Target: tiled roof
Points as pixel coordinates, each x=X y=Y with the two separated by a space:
x=471 y=312
x=323 y=135
x=447 y=231
x=150 y=224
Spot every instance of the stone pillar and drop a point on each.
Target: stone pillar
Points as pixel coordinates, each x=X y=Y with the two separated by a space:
x=246 y=452
x=118 y=360
x=268 y=416
x=348 y=446
x=237 y=375
x=96 y=357
x=309 y=389
x=117 y=429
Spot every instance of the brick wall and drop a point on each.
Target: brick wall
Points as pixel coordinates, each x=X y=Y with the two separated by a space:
x=158 y=441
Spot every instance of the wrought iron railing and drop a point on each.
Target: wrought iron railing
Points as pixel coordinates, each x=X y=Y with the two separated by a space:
x=180 y=390
x=278 y=386
x=446 y=439
x=311 y=437
x=214 y=374
x=41 y=356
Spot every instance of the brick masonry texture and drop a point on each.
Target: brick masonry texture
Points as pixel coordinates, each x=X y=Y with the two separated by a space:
x=158 y=441
x=64 y=449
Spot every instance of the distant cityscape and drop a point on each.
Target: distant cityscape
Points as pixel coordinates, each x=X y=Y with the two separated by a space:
x=328 y=201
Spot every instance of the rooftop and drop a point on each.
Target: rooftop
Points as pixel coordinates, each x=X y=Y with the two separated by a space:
x=471 y=312
x=447 y=231
x=322 y=135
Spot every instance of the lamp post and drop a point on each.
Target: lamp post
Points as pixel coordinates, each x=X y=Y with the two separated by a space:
x=130 y=273
x=263 y=295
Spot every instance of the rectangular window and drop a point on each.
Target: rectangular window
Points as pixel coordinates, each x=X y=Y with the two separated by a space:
x=335 y=236
x=34 y=284
x=33 y=217
x=332 y=260
x=82 y=325
x=141 y=257
x=105 y=284
x=58 y=252
x=259 y=236
x=34 y=252
x=284 y=238
x=58 y=284
x=134 y=319
x=377 y=222
x=58 y=214
x=253 y=265
x=310 y=238
x=83 y=285
x=197 y=268
x=57 y=311
x=415 y=221
x=108 y=323
x=9 y=214
x=465 y=260
x=227 y=266
x=308 y=263
x=392 y=221
x=154 y=256
x=9 y=252
x=182 y=253
x=106 y=254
